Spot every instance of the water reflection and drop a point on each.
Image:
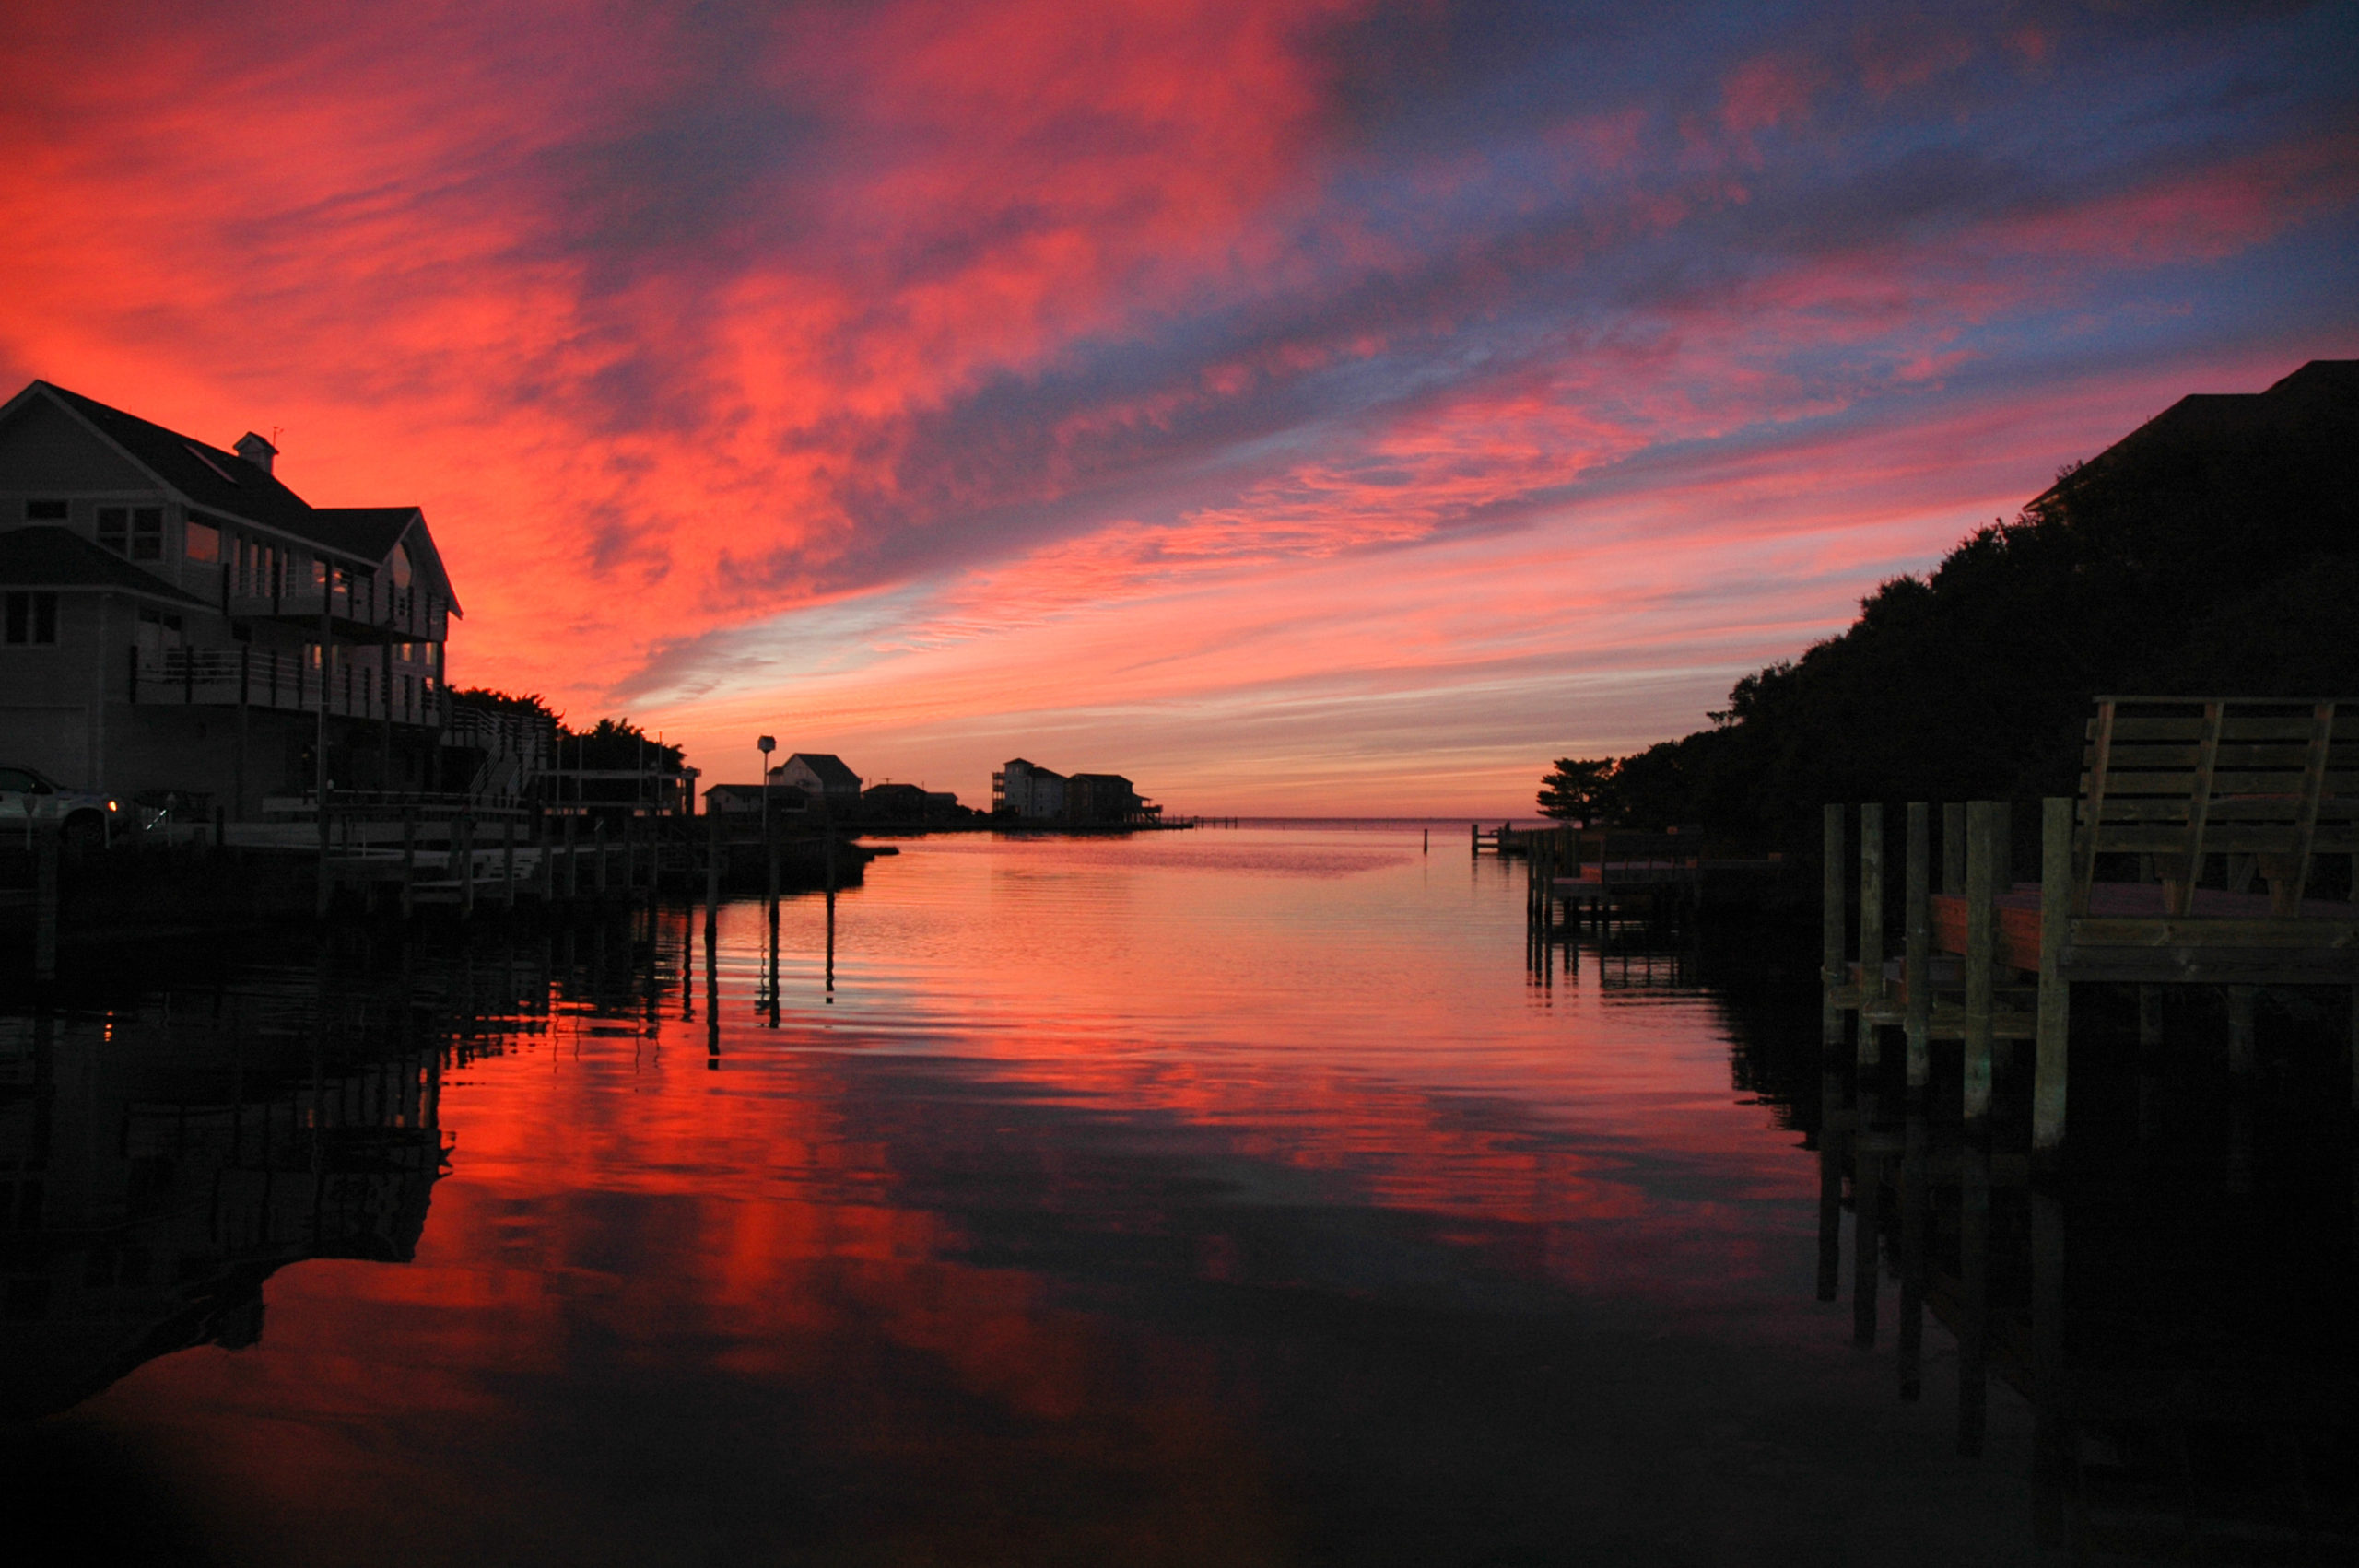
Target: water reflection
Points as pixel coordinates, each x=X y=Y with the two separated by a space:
x=161 y=1162
x=1229 y=1200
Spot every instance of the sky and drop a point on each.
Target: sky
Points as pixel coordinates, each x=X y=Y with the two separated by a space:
x=1301 y=408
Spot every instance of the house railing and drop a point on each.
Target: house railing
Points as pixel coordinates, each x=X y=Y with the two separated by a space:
x=287 y=681
x=402 y=610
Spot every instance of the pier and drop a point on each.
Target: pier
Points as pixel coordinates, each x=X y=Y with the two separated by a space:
x=2146 y=879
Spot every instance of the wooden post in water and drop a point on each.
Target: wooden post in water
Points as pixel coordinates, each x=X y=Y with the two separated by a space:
x=598 y=835
x=1429 y=841
x=1831 y=974
x=711 y=881
x=1916 y=962
x=1981 y=955
x=1974 y=1297
x=543 y=865
x=1830 y=1184
x=572 y=862
x=1913 y=1268
x=1867 y=1180
x=2055 y=991
x=2052 y=1428
x=1953 y=848
x=1871 y=930
x=45 y=901
x=508 y=861
x=2240 y=1031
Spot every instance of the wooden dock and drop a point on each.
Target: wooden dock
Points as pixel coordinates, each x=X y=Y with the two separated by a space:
x=2147 y=878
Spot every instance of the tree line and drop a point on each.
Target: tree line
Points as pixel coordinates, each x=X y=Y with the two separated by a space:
x=2213 y=551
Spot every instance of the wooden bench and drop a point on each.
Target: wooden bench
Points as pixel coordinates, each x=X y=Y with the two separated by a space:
x=2147 y=877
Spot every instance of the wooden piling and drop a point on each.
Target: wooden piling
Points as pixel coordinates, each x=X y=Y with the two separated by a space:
x=1918 y=952
x=1830 y=1185
x=1867 y=1272
x=1981 y=957
x=1831 y=923
x=1953 y=848
x=467 y=862
x=508 y=861
x=2054 y=1026
x=598 y=848
x=1974 y=1298
x=1871 y=930
x=1913 y=1269
x=712 y=881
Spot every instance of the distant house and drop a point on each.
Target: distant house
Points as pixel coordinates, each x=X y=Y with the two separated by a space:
x=1103 y=800
x=176 y=618
x=1032 y=793
x=1022 y=789
x=893 y=803
x=821 y=775
x=729 y=800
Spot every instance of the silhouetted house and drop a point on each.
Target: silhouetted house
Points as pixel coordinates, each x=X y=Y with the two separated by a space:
x=822 y=775
x=731 y=800
x=173 y=617
x=1033 y=794
x=1104 y=799
x=893 y=803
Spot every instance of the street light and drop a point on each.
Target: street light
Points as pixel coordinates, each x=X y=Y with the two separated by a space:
x=766 y=744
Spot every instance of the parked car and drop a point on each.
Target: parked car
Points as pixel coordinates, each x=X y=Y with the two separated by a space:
x=28 y=796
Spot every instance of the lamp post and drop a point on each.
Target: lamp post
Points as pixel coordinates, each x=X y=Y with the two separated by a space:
x=766 y=745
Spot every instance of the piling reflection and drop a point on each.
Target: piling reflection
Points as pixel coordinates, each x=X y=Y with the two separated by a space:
x=2172 y=1304
x=1294 y=1226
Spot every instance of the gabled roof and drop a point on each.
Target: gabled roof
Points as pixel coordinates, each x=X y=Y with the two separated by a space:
x=210 y=477
x=44 y=557
x=828 y=768
x=215 y=480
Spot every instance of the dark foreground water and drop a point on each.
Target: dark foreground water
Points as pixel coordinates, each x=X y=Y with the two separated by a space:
x=1230 y=1197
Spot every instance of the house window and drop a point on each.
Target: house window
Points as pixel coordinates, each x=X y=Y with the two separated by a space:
x=135 y=531
x=46 y=511
x=32 y=617
x=203 y=542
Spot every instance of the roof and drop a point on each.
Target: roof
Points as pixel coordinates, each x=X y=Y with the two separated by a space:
x=215 y=480
x=827 y=767
x=44 y=557
x=210 y=477
x=364 y=530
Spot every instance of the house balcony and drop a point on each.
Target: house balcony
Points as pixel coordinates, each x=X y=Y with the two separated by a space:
x=246 y=676
x=397 y=615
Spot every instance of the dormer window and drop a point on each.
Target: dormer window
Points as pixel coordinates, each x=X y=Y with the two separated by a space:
x=135 y=531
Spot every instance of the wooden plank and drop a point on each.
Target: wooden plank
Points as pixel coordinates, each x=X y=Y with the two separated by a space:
x=1870 y=925
x=1982 y=933
x=2287 y=893
x=2055 y=990
x=1831 y=923
x=2084 y=866
x=2199 y=806
x=1917 y=945
x=2099 y=931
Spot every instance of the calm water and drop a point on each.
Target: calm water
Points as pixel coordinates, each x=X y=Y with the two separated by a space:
x=1216 y=1197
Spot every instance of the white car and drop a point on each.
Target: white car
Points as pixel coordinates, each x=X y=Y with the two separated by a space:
x=28 y=796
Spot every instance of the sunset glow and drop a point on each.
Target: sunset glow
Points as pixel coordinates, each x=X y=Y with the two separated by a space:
x=1312 y=407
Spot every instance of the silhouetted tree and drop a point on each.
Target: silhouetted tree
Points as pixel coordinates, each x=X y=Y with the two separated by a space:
x=2214 y=551
x=1579 y=789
